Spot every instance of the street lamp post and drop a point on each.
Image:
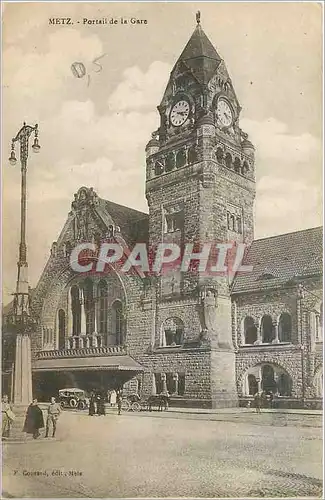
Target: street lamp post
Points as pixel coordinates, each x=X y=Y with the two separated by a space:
x=22 y=393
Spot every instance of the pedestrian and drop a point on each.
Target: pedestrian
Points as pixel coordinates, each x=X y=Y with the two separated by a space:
x=119 y=400
x=113 y=398
x=258 y=401
x=92 y=408
x=101 y=405
x=7 y=416
x=53 y=413
x=34 y=420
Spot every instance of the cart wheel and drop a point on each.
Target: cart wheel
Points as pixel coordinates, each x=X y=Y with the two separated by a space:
x=136 y=406
x=73 y=403
x=126 y=406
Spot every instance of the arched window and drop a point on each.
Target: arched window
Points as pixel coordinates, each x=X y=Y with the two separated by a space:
x=268 y=382
x=285 y=327
x=103 y=306
x=245 y=168
x=250 y=330
x=170 y=162
x=159 y=168
x=219 y=155
x=228 y=160
x=118 y=322
x=191 y=155
x=180 y=158
x=252 y=385
x=267 y=329
x=61 y=328
x=284 y=385
x=89 y=306
x=172 y=332
x=76 y=310
x=237 y=165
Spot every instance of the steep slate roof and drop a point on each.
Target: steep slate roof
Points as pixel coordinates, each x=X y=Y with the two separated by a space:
x=279 y=259
x=133 y=223
x=200 y=56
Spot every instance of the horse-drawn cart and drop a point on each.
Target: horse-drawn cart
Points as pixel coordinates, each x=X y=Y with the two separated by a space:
x=133 y=402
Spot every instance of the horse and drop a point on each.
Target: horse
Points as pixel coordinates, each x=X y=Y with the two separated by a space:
x=159 y=400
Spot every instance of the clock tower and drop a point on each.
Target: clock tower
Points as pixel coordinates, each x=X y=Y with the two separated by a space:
x=200 y=188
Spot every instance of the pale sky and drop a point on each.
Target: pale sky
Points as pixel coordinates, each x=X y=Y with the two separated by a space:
x=95 y=135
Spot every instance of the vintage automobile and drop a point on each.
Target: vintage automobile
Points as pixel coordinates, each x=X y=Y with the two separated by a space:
x=73 y=398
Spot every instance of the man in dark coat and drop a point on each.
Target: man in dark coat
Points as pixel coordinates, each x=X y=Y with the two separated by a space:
x=34 y=420
x=92 y=408
x=119 y=400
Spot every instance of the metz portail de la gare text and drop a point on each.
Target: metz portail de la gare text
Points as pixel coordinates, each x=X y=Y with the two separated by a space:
x=109 y=21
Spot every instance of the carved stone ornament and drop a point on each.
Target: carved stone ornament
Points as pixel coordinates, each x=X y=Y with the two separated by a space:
x=84 y=197
x=209 y=312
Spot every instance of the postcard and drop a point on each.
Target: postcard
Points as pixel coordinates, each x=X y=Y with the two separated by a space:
x=162 y=302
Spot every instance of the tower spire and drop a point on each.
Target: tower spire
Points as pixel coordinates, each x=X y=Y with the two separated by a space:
x=198 y=17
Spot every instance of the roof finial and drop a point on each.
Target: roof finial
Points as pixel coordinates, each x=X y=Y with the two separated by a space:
x=198 y=17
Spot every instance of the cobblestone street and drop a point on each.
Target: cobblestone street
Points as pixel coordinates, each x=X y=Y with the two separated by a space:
x=169 y=454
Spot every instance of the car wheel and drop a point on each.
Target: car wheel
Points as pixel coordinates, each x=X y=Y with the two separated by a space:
x=81 y=405
x=136 y=406
x=62 y=404
x=126 y=406
x=73 y=403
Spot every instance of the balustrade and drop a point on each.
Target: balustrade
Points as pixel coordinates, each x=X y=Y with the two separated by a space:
x=84 y=341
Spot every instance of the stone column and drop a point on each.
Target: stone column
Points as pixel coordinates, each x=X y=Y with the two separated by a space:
x=69 y=315
x=246 y=385
x=259 y=379
x=82 y=313
x=154 y=388
x=23 y=372
x=276 y=331
x=95 y=319
x=164 y=383
x=259 y=334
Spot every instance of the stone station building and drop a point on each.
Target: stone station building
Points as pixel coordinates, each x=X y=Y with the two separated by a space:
x=211 y=341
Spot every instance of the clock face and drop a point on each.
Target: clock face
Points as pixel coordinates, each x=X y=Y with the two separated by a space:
x=179 y=113
x=224 y=113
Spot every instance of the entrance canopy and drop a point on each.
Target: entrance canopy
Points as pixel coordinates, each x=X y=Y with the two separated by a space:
x=109 y=363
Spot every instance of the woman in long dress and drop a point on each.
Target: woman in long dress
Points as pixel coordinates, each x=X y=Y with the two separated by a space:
x=7 y=416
